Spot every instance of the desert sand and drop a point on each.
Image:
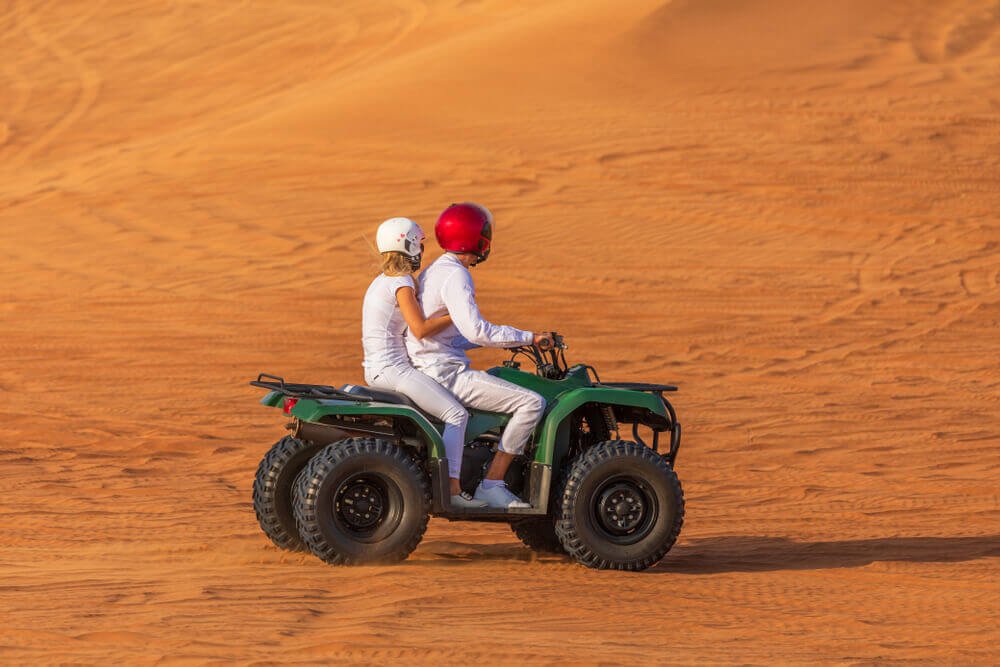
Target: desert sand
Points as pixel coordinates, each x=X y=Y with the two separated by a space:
x=787 y=208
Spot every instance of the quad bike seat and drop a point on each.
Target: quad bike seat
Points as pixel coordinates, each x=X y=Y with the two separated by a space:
x=379 y=395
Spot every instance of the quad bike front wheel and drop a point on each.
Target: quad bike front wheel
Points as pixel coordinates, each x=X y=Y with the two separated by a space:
x=272 y=490
x=619 y=507
x=587 y=428
x=362 y=500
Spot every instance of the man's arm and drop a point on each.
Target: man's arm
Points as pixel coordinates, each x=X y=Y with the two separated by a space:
x=462 y=343
x=460 y=300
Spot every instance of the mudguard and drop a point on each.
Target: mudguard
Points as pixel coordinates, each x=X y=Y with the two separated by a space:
x=272 y=399
x=568 y=402
x=310 y=410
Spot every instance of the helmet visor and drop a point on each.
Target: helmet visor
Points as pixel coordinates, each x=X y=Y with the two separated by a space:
x=486 y=238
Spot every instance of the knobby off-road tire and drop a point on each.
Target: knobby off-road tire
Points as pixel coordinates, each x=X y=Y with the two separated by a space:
x=538 y=535
x=587 y=429
x=362 y=500
x=272 y=490
x=619 y=507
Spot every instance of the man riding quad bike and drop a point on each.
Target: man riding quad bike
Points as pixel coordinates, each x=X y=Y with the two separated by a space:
x=363 y=469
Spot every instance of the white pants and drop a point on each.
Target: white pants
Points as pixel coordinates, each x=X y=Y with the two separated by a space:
x=432 y=399
x=482 y=391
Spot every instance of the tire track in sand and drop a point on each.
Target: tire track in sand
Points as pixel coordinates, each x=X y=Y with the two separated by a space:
x=961 y=34
x=18 y=84
x=88 y=78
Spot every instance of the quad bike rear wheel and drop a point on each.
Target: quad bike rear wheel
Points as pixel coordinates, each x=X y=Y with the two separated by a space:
x=272 y=490
x=362 y=500
x=538 y=535
x=619 y=507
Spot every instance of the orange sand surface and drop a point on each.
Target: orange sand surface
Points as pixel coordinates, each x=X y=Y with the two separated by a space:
x=788 y=208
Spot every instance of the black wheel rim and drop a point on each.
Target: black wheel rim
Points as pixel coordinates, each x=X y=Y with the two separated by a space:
x=624 y=509
x=367 y=506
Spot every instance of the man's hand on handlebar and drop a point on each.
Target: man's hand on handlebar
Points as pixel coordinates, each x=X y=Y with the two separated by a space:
x=543 y=341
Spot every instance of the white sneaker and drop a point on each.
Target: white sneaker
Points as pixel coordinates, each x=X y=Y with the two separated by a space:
x=464 y=501
x=500 y=497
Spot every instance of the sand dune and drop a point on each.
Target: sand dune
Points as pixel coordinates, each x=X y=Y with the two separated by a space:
x=787 y=208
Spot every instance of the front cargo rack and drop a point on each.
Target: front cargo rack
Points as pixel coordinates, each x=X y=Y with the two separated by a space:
x=673 y=427
x=639 y=386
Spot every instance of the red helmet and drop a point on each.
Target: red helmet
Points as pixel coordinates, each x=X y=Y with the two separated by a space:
x=465 y=227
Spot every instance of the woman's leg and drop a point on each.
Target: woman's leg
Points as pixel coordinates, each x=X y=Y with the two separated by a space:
x=435 y=400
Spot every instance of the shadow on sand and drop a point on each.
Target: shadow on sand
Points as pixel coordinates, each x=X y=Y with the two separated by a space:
x=762 y=554
x=717 y=555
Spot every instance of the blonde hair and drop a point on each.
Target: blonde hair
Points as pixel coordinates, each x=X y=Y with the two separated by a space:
x=396 y=264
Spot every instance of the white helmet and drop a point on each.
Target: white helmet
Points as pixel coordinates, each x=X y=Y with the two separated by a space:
x=401 y=235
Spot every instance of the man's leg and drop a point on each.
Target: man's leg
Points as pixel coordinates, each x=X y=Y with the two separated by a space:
x=482 y=391
x=499 y=465
x=434 y=399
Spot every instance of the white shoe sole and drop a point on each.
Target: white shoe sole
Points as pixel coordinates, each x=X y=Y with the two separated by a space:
x=511 y=505
x=458 y=502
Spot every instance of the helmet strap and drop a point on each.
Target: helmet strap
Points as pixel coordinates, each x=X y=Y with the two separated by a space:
x=457 y=253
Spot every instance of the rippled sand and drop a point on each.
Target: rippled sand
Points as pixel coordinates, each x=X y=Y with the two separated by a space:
x=787 y=208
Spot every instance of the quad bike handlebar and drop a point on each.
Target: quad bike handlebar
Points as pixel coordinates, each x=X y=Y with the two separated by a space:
x=558 y=342
x=550 y=362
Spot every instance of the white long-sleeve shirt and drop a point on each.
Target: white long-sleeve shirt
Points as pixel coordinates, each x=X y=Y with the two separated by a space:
x=445 y=288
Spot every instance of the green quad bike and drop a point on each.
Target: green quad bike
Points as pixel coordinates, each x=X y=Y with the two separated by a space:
x=363 y=469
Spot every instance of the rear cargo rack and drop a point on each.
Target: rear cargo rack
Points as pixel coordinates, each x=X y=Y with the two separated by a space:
x=319 y=391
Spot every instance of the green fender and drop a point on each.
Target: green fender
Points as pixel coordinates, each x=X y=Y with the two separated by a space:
x=272 y=399
x=480 y=422
x=569 y=401
x=576 y=378
x=310 y=410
